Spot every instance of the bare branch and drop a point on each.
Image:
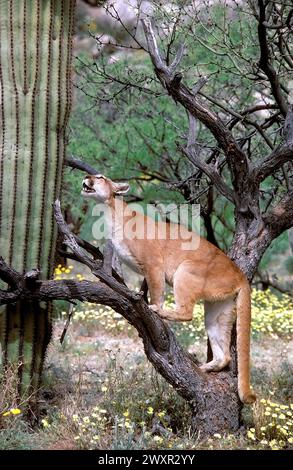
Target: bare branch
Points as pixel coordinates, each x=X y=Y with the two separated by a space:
x=153 y=47
x=199 y=85
x=69 y=316
x=267 y=281
x=236 y=158
x=8 y=275
x=265 y=60
x=193 y=155
x=191 y=139
x=177 y=59
x=281 y=155
x=288 y=126
x=94 y=251
x=211 y=172
x=95 y=3
x=280 y=218
x=77 y=164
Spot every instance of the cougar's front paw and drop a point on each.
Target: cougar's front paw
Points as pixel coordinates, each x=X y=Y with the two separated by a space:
x=206 y=367
x=155 y=308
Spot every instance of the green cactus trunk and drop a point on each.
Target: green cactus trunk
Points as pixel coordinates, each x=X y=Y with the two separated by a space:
x=35 y=99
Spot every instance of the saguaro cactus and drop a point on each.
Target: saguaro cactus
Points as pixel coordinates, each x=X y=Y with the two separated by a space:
x=35 y=98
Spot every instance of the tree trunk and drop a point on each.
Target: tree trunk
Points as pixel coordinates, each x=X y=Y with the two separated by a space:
x=35 y=98
x=249 y=244
x=213 y=397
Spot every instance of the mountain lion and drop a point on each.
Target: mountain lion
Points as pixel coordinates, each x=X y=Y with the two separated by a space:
x=204 y=273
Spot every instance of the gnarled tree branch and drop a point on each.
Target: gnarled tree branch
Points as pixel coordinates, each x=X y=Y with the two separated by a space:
x=211 y=172
x=279 y=156
x=265 y=61
x=280 y=218
x=78 y=164
x=171 y=80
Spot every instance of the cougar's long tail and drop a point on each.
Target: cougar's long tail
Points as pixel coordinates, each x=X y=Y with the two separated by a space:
x=243 y=304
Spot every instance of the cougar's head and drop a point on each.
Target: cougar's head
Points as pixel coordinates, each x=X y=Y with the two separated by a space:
x=102 y=188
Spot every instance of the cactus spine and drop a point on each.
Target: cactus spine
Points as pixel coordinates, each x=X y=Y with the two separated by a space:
x=35 y=99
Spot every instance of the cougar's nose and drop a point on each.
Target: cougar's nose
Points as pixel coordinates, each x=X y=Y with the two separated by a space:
x=89 y=180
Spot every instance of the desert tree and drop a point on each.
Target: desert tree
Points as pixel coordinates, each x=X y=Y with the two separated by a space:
x=238 y=140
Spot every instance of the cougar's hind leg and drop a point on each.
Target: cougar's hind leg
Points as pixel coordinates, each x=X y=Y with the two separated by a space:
x=219 y=319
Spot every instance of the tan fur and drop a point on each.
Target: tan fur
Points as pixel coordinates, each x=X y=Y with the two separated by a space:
x=205 y=273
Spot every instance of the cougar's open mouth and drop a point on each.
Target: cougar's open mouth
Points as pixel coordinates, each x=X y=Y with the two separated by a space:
x=87 y=189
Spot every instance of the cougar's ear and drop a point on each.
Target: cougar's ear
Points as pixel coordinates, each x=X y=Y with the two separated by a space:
x=121 y=188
